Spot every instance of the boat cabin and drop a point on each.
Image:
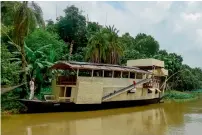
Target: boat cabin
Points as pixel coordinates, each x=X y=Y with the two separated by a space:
x=157 y=67
x=88 y=83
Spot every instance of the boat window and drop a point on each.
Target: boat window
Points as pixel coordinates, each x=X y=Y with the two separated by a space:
x=143 y=76
x=132 y=75
x=97 y=73
x=156 y=91
x=125 y=75
x=149 y=91
x=139 y=76
x=85 y=72
x=66 y=80
x=117 y=74
x=69 y=72
x=68 y=92
x=107 y=73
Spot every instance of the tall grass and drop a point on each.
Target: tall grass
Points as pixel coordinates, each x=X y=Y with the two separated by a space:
x=179 y=96
x=196 y=91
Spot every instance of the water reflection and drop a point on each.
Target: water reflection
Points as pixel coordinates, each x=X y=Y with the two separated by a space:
x=149 y=121
x=159 y=119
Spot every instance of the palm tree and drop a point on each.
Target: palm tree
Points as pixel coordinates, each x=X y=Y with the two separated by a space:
x=97 y=47
x=104 y=46
x=115 y=47
x=27 y=17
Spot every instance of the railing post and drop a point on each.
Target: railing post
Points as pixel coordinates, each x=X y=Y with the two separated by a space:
x=77 y=72
x=121 y=74
x=92 y=73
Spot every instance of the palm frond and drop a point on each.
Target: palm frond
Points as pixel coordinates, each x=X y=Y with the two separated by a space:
x=11 y=59
x=44 y=47
x=38 y=14
x=40 y=65
x=28 y=50
x=7 y=89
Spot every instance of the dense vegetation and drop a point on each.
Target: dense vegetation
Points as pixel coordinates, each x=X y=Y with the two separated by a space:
x=29 y=47
x=182 y=96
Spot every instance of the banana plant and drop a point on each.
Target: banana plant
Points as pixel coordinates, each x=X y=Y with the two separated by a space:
x=37 y=60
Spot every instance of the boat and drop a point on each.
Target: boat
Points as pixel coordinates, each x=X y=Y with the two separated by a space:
x=82 y=86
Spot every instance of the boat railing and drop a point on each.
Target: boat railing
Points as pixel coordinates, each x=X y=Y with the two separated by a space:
x=147 y=85
x=66 y=80
x=151 y=84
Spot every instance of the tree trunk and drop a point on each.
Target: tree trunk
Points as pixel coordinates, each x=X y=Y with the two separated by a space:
x=71 y=49
x=24 y=79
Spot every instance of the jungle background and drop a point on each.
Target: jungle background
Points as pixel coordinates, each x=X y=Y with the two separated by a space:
x=30 y=45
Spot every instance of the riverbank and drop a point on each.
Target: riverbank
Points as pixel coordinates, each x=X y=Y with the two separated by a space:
x=173 y=95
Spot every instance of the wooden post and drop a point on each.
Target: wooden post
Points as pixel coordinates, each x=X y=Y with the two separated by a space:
x=121 y=74
x=164 y=85
x=77 y=72
x=113 y=74
x=129 y=74
x=135 y=75
x=92 y=73
x=65 y=91
x=103 y=73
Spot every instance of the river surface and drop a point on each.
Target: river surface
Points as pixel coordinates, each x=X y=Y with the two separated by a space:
x=157 y=119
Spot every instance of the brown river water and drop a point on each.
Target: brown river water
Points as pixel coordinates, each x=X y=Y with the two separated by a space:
x=157 y=119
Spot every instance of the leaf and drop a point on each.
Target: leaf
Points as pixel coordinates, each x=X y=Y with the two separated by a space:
x=18 y=59
x=28 y=50
x=29 y=67
x=44 y=47
x=18 y=62
x=17 y=53
x=40 y=65
x=48 y=63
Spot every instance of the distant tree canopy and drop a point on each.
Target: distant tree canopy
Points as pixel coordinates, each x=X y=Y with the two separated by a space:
x=72 y=27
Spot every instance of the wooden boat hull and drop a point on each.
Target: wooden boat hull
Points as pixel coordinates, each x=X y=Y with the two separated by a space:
x=37 y=106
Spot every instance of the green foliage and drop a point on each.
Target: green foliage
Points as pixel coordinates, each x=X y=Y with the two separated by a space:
x=9 y=103
x=72 y=27
x=44 y=91
x=104 y=46
x=38 y=64
x=197 y=91
x=26 y=19
x=142 y=46
x=40 y=38
x=80 y=55
x=9 y=69
x=51 y=26
x=92 y=28
x=146 y=44
x=97 y=47
x=9 y=77
x=115 y=48
x=179 y=96
x=8 y=9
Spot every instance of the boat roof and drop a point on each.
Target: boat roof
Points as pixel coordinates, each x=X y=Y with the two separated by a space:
x=64 y=65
